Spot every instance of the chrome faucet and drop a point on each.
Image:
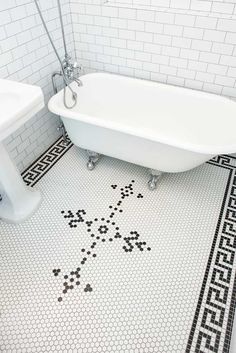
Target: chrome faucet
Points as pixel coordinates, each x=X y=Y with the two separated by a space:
x=70 y=73
x=71 y=69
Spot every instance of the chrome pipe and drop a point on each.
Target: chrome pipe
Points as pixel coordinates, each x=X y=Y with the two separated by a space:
x=62 y=28
x=56 y=73
x=48 y=34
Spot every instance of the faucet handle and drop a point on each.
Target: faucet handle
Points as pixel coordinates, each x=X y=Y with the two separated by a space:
x=77 y=69
x=77 y=66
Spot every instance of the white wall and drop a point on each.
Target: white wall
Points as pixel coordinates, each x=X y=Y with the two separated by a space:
x=190 y=43
x=26 y=55
x=220 y=6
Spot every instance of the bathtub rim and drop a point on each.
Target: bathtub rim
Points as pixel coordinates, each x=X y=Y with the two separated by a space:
x=76 y=115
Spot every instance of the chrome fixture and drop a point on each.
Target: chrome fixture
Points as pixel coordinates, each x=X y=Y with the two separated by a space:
x=61 y=127
x=69 y=68
x=155 y=175
x=93 y=159
x=54 y=74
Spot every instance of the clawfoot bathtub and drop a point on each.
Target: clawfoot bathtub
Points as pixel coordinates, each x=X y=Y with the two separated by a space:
x=158 y=126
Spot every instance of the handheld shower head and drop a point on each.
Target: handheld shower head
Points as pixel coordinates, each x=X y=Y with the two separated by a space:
x=67 y=66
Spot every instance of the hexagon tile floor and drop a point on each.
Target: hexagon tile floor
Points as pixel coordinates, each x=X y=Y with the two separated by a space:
x=105 y=265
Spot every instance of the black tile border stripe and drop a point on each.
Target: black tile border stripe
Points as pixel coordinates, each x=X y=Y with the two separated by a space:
x=223 y=161
x=203 y=288
x=45 y=162
x=57 y=150
x=229 y=329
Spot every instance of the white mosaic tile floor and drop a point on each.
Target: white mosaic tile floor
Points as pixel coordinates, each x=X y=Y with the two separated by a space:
x=165 y=287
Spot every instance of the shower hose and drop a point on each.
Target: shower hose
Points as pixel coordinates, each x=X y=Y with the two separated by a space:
x=65 y=78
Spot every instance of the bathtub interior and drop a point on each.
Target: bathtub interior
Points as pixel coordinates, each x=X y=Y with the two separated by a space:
x=177 y=116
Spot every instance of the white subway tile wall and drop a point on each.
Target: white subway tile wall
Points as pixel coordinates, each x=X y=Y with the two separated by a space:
x=190 y=43
x=221 y=6
x=26 y=55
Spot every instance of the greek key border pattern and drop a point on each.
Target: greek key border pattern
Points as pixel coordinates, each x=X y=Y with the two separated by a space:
x=215 y=310
x=45 y=162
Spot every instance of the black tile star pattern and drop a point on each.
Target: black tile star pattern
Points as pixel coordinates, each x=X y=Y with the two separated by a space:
x=102 y=230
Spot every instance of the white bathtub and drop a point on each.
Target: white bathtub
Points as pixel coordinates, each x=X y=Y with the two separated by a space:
x=162 y=127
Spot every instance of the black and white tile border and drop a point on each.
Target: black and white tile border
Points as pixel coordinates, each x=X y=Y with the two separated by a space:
x=45 y=162
x=210 y=315
x=213 y=319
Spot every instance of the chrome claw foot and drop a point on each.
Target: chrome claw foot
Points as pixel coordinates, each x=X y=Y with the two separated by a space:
x=154 y=178
x=93 y=159
x=152 y=184
x=90 y=165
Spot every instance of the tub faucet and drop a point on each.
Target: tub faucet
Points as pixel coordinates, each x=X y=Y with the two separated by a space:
x=70 y=73
x=71 y=70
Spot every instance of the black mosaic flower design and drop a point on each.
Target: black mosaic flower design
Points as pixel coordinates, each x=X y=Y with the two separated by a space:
x=140 y=196
x=88 y=288
x=56 y=272
x=102 y=230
